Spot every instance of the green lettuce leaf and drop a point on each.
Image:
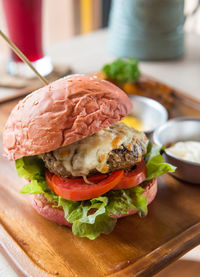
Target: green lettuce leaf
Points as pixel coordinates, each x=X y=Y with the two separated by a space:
x=34 y=187
x=51 y=197
x=122 y=70
x=120 y=201
x=32 y=169
x=104 y=224
x=155 y=163
x=91 y=218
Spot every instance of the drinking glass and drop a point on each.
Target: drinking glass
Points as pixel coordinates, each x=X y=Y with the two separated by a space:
x=24 y=22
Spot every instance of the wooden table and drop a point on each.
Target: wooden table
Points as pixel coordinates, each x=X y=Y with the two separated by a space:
x=169 y=237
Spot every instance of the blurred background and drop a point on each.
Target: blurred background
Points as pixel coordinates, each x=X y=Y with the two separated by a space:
x=74 y=17
x=68 y=19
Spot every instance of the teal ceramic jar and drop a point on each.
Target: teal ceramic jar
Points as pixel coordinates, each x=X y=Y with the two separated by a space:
x=147 y=29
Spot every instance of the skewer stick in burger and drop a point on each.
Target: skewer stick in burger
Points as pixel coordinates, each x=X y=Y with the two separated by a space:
x=83 y=168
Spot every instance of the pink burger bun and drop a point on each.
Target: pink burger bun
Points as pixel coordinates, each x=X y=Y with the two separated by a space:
x=61 y=113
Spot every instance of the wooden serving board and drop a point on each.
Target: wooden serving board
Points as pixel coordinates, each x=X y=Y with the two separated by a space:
x=137 y=247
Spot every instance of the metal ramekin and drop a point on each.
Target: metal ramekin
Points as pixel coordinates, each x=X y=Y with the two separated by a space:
x=180 y=129
x=150 y=112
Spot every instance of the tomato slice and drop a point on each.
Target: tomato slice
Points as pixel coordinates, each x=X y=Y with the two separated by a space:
x=97 y=177
x=132 y=178
x=77 y=189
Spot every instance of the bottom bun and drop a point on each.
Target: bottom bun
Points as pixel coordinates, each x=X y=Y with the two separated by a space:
x=45 y=209
x=151 y=188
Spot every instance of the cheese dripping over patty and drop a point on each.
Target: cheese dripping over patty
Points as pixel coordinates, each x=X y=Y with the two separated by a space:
x=92 y=152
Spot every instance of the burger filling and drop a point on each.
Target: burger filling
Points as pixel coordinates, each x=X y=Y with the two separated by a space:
x=114 y=148
x=97 y=179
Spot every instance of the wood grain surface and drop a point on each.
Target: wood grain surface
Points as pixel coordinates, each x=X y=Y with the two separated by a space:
x=137 y=247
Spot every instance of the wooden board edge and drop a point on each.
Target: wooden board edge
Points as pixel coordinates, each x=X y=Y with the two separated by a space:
x=21 y=260
x=164 y=255
x=183 y=96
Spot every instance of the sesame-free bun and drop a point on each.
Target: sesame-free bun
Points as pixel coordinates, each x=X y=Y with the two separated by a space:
x=61 y=113
x=45 y=209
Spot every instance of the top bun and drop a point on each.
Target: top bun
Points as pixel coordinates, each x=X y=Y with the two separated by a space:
x=61 y=113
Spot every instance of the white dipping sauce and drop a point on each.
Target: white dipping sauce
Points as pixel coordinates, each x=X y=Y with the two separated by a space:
x=187 y=150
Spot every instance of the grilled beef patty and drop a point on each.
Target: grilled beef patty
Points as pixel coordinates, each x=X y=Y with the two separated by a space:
x=117 y=159
x=125 y=147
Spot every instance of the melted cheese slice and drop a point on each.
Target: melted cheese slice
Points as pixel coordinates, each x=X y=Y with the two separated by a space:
x=91 y=153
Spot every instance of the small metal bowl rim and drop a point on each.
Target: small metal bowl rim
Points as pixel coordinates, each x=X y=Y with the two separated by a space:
x=151 y=102
x=159 y=129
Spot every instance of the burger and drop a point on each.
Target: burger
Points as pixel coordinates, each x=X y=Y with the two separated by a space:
x=83 y=168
